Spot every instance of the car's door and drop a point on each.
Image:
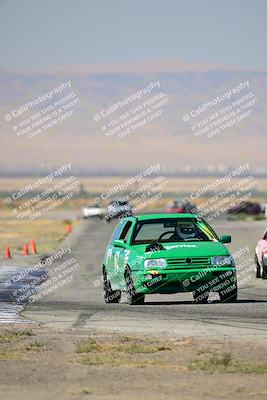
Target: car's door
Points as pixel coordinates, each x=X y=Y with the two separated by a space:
x=122 y=255
x=112 y=255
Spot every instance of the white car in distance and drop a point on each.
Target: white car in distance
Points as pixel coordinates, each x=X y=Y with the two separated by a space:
x=93 y=211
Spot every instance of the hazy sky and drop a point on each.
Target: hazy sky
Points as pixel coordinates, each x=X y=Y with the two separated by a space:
x=40 y=33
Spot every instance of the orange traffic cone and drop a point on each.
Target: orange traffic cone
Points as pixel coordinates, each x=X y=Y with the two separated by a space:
x=25 y=251
x=8 y=253
x=33 y=246
x=68 y=228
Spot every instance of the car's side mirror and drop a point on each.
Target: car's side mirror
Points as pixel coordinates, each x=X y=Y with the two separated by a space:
x=119 y=243
x=226 y=238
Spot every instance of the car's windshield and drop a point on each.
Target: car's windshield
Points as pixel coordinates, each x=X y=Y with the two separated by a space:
x=173 y=230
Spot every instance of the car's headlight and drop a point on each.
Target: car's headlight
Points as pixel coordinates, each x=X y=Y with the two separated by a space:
x=155 y=262
x=221 y=261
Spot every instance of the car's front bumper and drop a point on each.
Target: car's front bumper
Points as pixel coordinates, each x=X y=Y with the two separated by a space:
x=184 y=280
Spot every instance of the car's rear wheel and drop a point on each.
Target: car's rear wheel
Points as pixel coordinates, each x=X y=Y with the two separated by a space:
x=264 y=272
x=110 y=296
x=200 y=297
x=133 y=297
x=230 y=296
x=257 y=268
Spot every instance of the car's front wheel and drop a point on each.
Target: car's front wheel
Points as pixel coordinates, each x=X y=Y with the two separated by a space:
x=110 y=296
x=133 y=297
x=200 y=297
x=229 y=297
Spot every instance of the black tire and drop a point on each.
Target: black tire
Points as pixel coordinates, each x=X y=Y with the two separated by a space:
x=229 y=297
x=110 y=296
x=133 y=297
x=263 y=272
x=201 y=297
x=257 y=268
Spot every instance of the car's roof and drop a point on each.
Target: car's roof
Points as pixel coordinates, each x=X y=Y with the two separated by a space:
x=119 y=201
x=165 y=215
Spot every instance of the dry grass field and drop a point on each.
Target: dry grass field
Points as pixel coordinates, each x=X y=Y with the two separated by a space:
x=81 y=365
x=49 y=230
x=101 y=184
x=48 y=235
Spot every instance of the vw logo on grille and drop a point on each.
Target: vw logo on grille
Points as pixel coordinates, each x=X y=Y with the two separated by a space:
x=188 y=260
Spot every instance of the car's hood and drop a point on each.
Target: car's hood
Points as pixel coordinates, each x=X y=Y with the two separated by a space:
x=189 y=249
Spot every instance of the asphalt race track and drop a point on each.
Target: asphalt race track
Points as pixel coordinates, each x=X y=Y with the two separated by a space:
x=80 y=305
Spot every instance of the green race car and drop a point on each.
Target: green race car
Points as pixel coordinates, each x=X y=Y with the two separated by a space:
x=163 y=253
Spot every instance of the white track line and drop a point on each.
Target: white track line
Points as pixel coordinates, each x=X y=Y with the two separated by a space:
x=9 y=314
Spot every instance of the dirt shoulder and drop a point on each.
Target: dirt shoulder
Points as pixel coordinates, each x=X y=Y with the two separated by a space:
x=100 y=365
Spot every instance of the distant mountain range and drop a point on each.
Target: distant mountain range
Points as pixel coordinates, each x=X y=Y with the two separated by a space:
x=167 y=139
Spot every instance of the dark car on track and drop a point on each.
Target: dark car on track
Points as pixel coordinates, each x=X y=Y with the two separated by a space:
x=246 y=207
x=118 y=209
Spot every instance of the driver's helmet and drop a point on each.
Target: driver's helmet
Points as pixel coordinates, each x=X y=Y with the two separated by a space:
x=186 y=231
